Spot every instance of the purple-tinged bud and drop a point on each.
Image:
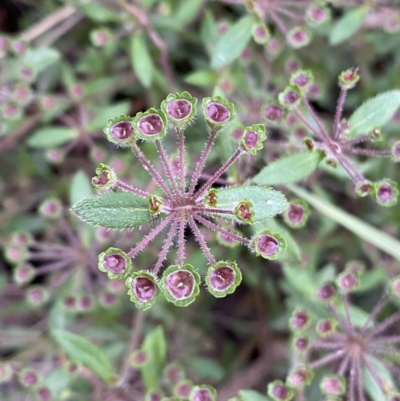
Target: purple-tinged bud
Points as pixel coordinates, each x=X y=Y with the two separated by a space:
x=396 y=151
x=300 y=320
x=301 y=343
x=333 y=385
x=180 y=108
x=55 y=156
x=261 y=33
x=223 y=278
x=28 y=377
x=155 y=205
x=115 y=262
x=103 y=234
x=47 y=102
x=313 y=91
x=391 y=24
x=237 y=133
x=244 y=212
x=4 y=45
x=22 y=95
x=273 y=47
x=69 y=302
x=143 y=289
x=302 y=79
x=356 y=266
x=116 y=286
x=364 y=188
x=299 y=133
x=395 y=286
x=19 y=47
x=269 y=245
x=120 y=130
x=100 y=37
x=84 y=303
x=37 y=295
x=327 y=292
x=27 y=74
x=246 y=54
x=180 y=285
x=138 y=358
x=349 y=78
x=203 y=393
x=16 y=254
x=6 y=370
x=153 y=396
x=218 y=112
x=296 y=215
x=326 y=327
x=292 y=64
x=183 y=389
x=150 y=125
x=105 y=177
x=279 y=391
x=43 y=393
x=23 y=274
x=273 y=112
x=317 y=15
x=290 y=98
x=76 y=91
x=22 y=238
x=300 y=376
x=348 y=281
x=253 y=138
x=223 y=27
x=174 y=373
x=386 y=192
x=51 y=208
x=97 y=154
x=11 y=111
x=107 y=299
x=299 y=37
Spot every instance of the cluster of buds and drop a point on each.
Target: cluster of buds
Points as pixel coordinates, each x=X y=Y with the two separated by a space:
x=350 y=348
x=179 y=204
x=338 y=145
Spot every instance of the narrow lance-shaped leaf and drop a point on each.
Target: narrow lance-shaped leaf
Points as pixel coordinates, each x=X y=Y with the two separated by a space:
x=348 y=25
x=288 y=169
x=49 y=137
x=233 y=42
x=155 y=348
x=141 y=60
x=375 y=112
x=81 y=350
x=113 y=210
x=80 y=187
x=40 y=58
x=266 y=202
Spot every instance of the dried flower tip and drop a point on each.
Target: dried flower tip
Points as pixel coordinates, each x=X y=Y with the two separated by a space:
x=348 y=281
x=183 y=389
x=269 y=245
x=332 y=161
x=309 y=144
x=290 y=97
x=279 y=391
x=69 y=302
x=180 y=108
x=364 y=188
x=356 y=266
x=396 y=151
x=395 y=286
x=155 y=205
x=143 y=289
x=386 y=192
x=300 y=320
x=218 y=112
x=203 y=393
x=273 y=112
x=115 y=262
x=6 y=371
x=223 y=278
x=28 y=377
x=327 y=292
x=138 y=358
x=100 y=37
x=296 y=215
x=84 y=303
x=244 y=212
x=174 y=372
x=23 y=274
x=253 y=138
x=211 y=197
x=261 y=33
x=51 y=208
x=317 y=15
x=299 y=37
x=43 y=393
x=375 y=134
x=180 y=285
x=105 y=177
x=325 y=327
x=333 y=385
x=300 y=376
x=302 y=79
x=301 y=343
x=37 y=295
x=150 y=125
x=119 y=130
x=349 y=78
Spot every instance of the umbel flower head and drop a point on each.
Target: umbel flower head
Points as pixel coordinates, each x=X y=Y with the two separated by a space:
x=176 y=205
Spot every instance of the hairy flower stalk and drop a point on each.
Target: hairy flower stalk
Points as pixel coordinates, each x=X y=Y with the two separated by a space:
x=177 y=205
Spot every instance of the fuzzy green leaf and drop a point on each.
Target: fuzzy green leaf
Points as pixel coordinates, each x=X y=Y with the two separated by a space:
x=375 y=112
x=202 y=78
x=288 y=169
x=251 y=395
x=113 y=210
x=40 y=58
x=80 y=187
x=103 y=114
x=233 y=42
x=51 y=136
x=348 y=25
x=266 y=202
x=142 y=62
x=81 y=350
x=155 y=347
